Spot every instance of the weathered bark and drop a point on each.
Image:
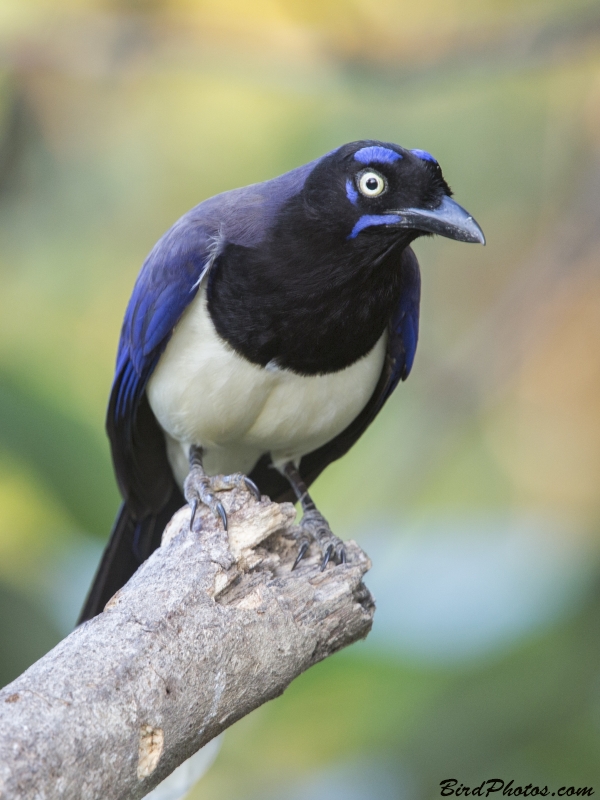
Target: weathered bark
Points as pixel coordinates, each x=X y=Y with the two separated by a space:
x=209 y=628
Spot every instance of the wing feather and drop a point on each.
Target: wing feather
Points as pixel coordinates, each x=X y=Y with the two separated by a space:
x=167 y=283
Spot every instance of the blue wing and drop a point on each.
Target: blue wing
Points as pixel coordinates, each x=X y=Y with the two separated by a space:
x=166 y=285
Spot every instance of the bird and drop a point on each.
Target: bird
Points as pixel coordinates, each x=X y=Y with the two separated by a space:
x=265 y=332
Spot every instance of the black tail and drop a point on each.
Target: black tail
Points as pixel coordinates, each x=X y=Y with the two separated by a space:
x=130 y=543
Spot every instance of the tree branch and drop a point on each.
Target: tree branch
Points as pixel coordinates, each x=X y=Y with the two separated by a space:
x=209 y=628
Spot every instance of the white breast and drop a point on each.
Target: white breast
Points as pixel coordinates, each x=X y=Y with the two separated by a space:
x=202 y=392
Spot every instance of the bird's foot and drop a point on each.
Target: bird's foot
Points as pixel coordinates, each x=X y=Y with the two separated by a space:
x=201 y=488
x=315 y=528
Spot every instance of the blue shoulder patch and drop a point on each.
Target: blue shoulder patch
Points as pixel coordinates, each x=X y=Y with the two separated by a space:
x=375 y=154
x=423 y=154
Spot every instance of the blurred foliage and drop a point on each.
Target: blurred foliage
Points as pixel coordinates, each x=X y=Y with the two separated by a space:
x=62 y=451
x=117 y=116
x=26 y=634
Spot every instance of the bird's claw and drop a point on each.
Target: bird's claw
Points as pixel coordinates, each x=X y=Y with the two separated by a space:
x=315 y=527
x=252 y=487
x=327 y=556
x=201 y=488
x=194 y=508
x=223 y=514
x=301 y=553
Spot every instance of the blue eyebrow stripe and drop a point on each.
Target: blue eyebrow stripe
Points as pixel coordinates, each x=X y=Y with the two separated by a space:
x=376 y=155
x=351 y=192
x=373 y=219
x=423 y=154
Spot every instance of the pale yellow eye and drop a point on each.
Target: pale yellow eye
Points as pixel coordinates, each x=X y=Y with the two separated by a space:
x=371 y=183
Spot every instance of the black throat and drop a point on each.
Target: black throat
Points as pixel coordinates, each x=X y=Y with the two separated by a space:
x=307 y=299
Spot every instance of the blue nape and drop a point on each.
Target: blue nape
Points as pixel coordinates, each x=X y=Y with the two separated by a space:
x=376 y=155
x=351 y=192
x=424 y=155
x=373 y=219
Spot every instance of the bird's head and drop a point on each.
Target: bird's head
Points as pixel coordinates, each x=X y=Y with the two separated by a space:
x=371 y=191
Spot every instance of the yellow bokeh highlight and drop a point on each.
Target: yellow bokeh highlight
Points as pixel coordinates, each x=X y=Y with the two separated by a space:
x=32 y=525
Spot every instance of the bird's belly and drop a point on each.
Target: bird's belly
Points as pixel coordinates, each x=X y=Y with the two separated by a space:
x=202 y=392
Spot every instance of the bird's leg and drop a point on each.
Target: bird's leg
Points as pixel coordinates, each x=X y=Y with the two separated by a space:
x=200 y=487
x=313 y=523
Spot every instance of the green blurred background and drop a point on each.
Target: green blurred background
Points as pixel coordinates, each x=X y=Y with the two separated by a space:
x=477 y=490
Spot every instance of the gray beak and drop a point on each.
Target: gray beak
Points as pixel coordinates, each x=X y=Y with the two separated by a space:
x=448 y=219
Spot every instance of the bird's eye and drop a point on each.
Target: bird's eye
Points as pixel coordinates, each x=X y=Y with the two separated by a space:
x=371 y=183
